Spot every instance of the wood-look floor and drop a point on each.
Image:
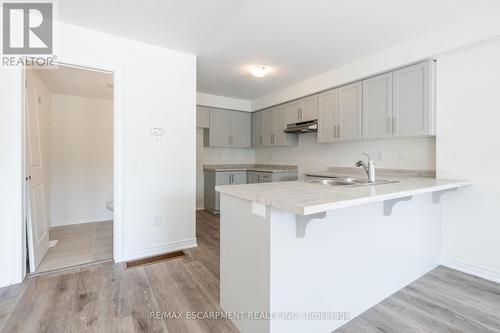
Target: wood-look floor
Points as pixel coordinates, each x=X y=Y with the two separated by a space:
x=108 y=298
x=78 y=244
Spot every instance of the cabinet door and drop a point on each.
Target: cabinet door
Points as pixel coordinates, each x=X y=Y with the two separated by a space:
x=308 y=108
x=202 y=116
x=279 y=125
x=327 y=116
x=265 y=177
x=413 y=115
x=267 y=127
x=239 y=177
x=253 y=178
x=377 y=107
x=222 y=178
x=241 y=129
x=257 y=129
x=350 y=112
x=292 y=112
x=220 y=125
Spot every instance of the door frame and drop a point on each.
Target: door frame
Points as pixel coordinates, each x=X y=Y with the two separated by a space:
x=118 y=155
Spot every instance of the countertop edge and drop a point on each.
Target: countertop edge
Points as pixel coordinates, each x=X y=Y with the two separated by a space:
x=325 y=207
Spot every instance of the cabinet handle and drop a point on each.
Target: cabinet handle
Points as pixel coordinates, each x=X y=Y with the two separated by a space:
x=272 y=139
x=260 y=139
x=334 y=131
x=388 y=125
x=339 y=131
x=394 y=125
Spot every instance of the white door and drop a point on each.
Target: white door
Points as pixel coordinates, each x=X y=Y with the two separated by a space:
x=38 y=228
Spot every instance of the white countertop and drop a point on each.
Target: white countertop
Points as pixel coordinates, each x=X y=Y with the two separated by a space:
x=307 y=198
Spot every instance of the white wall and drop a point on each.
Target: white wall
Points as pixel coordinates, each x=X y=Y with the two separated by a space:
x=223 y=102
x=468 y=147
x=156 y=87
x=308 y=155
x=82 y=159
x=463 y=32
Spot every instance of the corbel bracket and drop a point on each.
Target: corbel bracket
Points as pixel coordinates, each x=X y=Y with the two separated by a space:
x=303 y=221
x=389 y=204
x=436 y=196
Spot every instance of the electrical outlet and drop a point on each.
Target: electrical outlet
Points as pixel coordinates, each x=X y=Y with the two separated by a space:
x=157 y=219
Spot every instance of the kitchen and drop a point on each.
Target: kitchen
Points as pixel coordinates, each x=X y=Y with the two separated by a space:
x=278 y=166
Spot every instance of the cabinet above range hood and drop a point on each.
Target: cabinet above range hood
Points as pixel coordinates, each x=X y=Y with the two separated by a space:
x=302 y=127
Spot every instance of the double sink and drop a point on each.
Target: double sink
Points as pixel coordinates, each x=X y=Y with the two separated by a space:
x=345 y=181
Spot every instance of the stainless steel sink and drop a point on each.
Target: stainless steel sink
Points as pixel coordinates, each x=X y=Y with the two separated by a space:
x=346 y=181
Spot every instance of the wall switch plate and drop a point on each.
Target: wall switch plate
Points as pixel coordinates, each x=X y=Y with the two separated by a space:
x=157 y=131
x=157 y=219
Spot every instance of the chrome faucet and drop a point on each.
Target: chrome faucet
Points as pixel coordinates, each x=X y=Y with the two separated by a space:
x=369 y=168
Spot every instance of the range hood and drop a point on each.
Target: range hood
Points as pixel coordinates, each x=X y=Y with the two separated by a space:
x=302 y=127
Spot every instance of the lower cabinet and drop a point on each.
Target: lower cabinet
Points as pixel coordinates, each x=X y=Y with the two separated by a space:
x=216 y=178
x=255 y=177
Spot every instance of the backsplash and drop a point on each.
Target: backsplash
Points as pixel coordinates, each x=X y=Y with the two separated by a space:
x=407 y=153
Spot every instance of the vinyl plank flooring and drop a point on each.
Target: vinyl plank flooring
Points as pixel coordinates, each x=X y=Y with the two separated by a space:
x=108 y=298
x=78 y=244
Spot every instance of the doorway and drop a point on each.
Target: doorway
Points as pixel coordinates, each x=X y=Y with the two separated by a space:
x=68 y=167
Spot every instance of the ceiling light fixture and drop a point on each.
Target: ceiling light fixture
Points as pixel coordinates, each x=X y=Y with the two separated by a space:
x=259 y=70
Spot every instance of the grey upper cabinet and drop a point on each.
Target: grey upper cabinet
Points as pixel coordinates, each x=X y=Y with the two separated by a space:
x=267 y=127
x=220 y=128
x=273 y=125
x=302 y=110
x=257 y=129
x=350 y=112
x=377 y=107
x=327 y=116
x=202 y=116
x=279 y=125
x=413 y=101
x=240 y=129
x=229 y=128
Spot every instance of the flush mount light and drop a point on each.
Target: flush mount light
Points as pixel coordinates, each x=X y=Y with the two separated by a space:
x=259 y=70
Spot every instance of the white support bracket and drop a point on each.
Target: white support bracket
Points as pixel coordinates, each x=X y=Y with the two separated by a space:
x=303 y=221
x=389 y=204
x=436 y=196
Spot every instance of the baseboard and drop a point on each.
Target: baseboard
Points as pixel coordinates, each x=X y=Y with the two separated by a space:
x=144 y=252
x=471 y=269
x=94 y=220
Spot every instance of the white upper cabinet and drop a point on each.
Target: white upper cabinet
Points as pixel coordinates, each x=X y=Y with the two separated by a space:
x=413 y=101
x=350 y=112
x=220 y=128
x=327 y=116
x=377 y=107
x=241 y=129
x=302 y=110
x=202 y=116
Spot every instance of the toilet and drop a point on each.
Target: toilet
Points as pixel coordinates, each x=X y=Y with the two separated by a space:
x=109 y=205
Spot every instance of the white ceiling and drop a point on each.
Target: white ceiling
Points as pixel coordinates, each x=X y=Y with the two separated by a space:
x=299 y=38
x=77 y=82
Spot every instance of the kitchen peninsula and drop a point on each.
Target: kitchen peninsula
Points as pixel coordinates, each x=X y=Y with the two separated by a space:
x=311 y=250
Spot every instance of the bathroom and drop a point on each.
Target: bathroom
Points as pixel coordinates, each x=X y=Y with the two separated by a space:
x=69 y=167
